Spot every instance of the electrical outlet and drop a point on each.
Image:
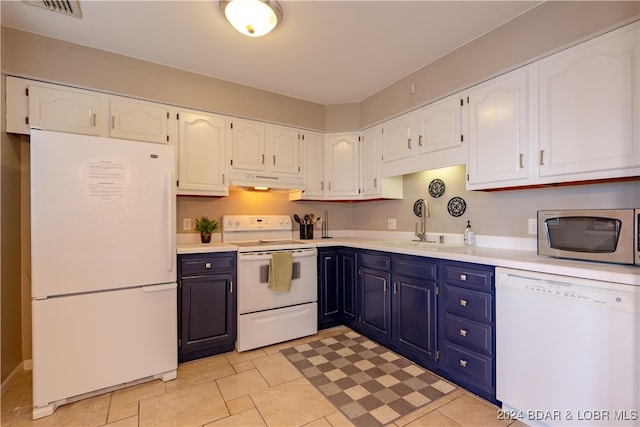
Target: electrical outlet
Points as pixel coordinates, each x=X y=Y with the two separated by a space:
x=533 y=226
x=186 y=224
x=391 y=224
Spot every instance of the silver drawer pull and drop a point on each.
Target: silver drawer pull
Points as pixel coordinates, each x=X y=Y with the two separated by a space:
x=463 y=332
x=463 y=363
x=207 y=265
x=463 y=277
x=463 y=302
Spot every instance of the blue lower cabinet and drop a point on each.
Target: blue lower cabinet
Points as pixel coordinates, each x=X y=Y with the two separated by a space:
x=328 y=287
x=206 y=304
x=375 y=303
x=467 y=327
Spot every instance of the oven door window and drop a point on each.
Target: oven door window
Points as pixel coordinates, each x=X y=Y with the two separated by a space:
x=583 y=234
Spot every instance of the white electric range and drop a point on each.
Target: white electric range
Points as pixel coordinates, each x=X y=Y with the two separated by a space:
x=264 y=316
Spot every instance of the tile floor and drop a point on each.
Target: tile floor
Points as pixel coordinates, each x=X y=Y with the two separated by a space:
x=254 y=388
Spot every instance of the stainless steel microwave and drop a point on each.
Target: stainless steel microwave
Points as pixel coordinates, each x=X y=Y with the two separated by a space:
x=606 y=235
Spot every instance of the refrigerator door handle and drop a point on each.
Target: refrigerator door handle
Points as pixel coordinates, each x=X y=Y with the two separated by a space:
x=159 y=288
x=170 y=221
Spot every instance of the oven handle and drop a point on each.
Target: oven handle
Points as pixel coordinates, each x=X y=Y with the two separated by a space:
x=297 y=253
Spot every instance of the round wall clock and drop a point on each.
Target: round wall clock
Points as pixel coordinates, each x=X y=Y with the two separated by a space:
x=456 y=206
x=436 y=188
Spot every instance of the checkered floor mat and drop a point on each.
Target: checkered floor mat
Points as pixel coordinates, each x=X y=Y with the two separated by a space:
x=370 y=384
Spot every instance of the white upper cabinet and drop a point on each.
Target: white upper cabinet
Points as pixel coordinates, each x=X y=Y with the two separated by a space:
x=370 y=146
x=247 y=146
x=282 y=148
x=372 y=183
x=201 y=154
x=439 y=125
x=588 y=109
x=139 y=120
x=313 y=166
x=66 y=110
x=498 y=131
x=398 y=138
x=341 y=165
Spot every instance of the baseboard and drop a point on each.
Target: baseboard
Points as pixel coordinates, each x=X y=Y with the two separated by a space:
x=26 y=365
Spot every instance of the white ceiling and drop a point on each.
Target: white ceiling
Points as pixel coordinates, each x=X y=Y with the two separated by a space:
x=329 y=52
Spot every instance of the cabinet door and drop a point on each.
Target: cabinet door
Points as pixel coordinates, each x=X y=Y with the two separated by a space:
x=498 y=132
x=439 y=125
x=201 y=154
x=398 y=138
x=414 y=316
x=313 y=164
x=65 y=110
x=283 y=150
x=208 y=312
x=328 y=292
x=247 y=146
x=589 y=108
x=139 y=120
x=348 y=280
x=371 y=158
x=341 y=165
x=375 y=298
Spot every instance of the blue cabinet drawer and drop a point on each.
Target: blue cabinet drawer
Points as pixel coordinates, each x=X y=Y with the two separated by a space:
x=469 y=333
x=418 y=267
x=470 y=366
x=377 y=261
x=470 y=304
x=468 y=277
x=198 y=264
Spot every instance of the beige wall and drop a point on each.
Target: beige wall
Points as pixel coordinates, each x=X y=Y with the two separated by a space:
x=547 y=28
x=10 y=250
x=502 y=213
x=34 y=56
x=542 y=30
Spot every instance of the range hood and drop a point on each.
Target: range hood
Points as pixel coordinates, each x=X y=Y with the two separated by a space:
x=266 y=179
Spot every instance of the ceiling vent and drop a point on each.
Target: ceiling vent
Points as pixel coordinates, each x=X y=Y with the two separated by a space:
x=66 y=7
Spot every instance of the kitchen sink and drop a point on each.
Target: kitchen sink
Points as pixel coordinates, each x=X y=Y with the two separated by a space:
x=428 y=245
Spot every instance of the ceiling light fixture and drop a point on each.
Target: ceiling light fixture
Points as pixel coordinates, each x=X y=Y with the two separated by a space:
x=253 y=18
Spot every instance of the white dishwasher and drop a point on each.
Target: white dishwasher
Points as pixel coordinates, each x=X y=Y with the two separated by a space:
x=567 y=350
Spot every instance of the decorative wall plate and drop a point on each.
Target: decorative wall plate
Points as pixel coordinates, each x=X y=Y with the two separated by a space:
x=456 y=206
x=417 y=207
x=436 y=188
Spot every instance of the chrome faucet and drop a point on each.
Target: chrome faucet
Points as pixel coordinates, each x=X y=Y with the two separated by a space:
x=424 y=214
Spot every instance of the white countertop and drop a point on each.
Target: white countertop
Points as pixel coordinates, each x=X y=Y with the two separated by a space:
x=523 y=259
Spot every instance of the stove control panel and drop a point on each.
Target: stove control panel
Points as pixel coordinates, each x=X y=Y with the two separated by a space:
x=236 y=223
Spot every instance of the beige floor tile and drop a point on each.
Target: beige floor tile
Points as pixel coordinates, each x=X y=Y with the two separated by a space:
x=433 y=419
x=429 y=407
x=276 y=369
x=195 y=406
x=92 y=411
x=322 y=422
x=292 y=404
x=244 y=419
x=200 y=371
x=240 y=404
x=126 y=422
x=120 y=412
x=338 y=419
x=241 y=384
x=235 y=357
x=243 y=366
x=470 y=411
x=137 y=392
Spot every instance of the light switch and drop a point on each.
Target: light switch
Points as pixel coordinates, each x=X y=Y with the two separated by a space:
x=186 y=224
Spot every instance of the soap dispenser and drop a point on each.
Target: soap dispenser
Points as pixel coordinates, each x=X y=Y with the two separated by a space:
x=469 y=235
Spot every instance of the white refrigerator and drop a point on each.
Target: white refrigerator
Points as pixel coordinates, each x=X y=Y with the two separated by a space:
x=103 y=273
